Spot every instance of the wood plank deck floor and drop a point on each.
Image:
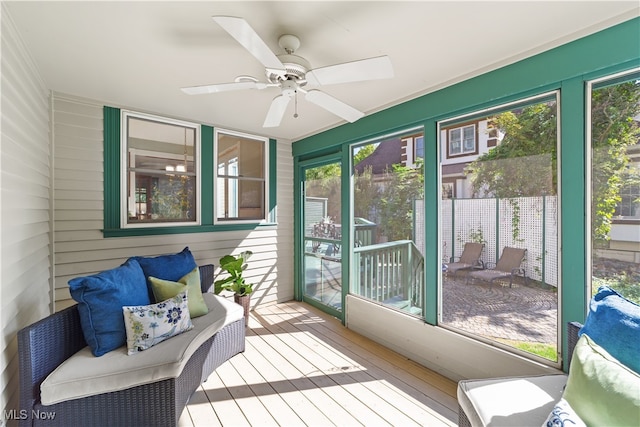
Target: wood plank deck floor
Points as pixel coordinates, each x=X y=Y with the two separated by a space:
x=301 y=367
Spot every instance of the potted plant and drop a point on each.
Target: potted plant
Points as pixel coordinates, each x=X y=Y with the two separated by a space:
x=234 y=265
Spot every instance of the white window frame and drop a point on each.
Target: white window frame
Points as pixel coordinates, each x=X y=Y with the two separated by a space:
x=265 y=214
x=124 y=154
x=462 y=152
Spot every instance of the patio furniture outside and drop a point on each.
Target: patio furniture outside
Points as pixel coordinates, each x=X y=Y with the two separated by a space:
x=470 y=258
x=509 y=265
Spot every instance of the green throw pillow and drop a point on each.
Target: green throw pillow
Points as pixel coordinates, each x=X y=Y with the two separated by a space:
x=601 y=390
x=165 y=289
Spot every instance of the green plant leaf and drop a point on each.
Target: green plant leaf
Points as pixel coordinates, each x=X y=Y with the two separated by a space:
x=226 y=259
x=234 y=265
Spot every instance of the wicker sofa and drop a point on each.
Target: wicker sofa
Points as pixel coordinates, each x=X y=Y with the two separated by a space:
x=46 y=344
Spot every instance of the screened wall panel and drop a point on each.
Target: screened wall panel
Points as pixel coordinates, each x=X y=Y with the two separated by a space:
x=500 y=225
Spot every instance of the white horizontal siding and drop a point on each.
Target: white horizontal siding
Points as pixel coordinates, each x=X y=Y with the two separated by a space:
x=25 y=182
x=80 y=248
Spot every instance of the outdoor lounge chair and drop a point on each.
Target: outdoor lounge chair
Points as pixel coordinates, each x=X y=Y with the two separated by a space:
x=470 y=258
x=509 y=265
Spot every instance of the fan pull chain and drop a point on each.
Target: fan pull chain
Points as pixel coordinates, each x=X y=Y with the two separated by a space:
x=295 y=114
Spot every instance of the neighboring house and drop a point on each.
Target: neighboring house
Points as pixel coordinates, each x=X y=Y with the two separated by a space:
x=461 y=144
x=405 y=151
x=386 y=154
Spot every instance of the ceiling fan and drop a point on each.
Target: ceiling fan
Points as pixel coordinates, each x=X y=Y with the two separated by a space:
x=293 y=74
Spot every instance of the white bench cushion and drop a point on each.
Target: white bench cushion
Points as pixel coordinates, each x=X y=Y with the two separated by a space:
x=513 y=401
x=85 y=375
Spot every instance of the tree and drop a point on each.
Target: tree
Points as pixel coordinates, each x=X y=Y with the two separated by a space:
x=365 y=193
x=324 y=181
x=403 y=186
x=613 y=131
x=524 y=164
x=363 y=152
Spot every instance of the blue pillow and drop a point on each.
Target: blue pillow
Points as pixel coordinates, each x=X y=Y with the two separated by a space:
x=166 y=267
x=613 y=323
x=100 y=300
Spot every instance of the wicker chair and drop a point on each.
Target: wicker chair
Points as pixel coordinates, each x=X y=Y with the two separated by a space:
x=49 y=342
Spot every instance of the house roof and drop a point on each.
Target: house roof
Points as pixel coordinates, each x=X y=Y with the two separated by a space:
x=386 y=154
x=139 y=54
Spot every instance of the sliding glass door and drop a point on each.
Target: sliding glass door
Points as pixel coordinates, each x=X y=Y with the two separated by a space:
x=322 y=240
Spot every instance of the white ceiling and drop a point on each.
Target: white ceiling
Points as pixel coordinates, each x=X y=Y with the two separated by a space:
x=138 y=54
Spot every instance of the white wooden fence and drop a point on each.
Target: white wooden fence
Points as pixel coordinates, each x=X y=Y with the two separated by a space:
x=525 y=222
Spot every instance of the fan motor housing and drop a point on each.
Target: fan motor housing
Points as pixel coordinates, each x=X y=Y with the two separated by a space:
x=296 y=68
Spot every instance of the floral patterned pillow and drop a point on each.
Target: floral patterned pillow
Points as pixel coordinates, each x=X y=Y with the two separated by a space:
x=563 y=415
x=148 y=325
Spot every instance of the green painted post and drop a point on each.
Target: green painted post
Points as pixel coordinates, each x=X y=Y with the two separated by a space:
x=206 y=175
x=573 y=239
x=111 y=118
x=432 y=262
x=298 y=233
x=347 y=225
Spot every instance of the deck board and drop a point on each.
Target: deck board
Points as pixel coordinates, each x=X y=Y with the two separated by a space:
x=302 y=367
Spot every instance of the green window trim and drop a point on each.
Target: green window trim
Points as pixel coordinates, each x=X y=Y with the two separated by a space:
x=112 y=199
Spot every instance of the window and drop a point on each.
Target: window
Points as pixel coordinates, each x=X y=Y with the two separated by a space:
x=419 y=147
x=160 y=179
x=241 y=180
x=462 y=140
x=509 y=215
x=629 y=205
x=614 y=130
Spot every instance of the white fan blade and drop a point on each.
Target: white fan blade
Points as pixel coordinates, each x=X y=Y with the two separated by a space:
x=365 y=69
x=240 y=30
x=222 y=87
x=276 y=111
x=333 y=105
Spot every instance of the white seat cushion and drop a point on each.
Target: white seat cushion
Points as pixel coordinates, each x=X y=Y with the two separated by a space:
x=512 y=401
x=85 y=375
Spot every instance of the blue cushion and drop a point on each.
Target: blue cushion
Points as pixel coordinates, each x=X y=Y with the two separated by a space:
x=100 y=300
x=613 y=323
x=167 y=267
